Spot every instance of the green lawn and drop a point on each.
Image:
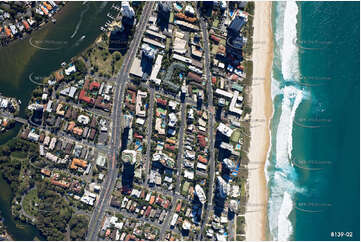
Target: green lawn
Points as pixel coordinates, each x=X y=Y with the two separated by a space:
x=169 y=40
x=29 y=202
x=240 y=238
x=215 y=23
x=236 y=135
x=101 y=57
x=18 y=155
x=240 y=224
x=214 y=49
x=171 y=17
x=243 y=190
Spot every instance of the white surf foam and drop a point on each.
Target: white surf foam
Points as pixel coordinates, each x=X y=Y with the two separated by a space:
x=291 y=99
x=284 y=225
x=275 y=88
x=297 y=101
x=289 y=50
x=283 y=177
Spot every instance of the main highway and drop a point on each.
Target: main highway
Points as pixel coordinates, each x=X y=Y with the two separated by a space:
x=210 y=128
x=104 y=199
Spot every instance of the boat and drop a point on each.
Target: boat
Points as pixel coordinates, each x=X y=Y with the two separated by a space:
x=63 y=63
x=200 y=193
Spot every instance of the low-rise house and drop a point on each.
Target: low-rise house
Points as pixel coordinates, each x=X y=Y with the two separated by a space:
x=76 y=163
x=92 y=134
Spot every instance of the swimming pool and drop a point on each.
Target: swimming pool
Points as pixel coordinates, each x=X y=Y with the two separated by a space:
x=178 y=6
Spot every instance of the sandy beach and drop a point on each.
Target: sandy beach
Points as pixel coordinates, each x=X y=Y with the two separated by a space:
x=260 y=116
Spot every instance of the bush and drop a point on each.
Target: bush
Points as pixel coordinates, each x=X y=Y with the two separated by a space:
x=78 y=227
x=116 y=56
x=80 y=66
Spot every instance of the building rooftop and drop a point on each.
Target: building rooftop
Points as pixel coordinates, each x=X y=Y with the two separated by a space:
x=136 y=68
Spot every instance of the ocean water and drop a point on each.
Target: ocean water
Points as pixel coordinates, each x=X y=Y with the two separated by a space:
x=313 y=164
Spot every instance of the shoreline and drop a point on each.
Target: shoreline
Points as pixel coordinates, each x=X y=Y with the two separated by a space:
x=262 y=109
x=40 y=27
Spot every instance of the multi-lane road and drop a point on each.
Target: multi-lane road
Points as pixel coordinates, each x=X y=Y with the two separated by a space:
x=149 y=135
x=104 y=199
x=122 y=78
x=210 y=128
x=180 y=146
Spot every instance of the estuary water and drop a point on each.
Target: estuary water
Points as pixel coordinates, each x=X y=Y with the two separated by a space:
x=25 y=62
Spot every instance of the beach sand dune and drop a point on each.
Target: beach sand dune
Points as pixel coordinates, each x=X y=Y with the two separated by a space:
x=260 y=115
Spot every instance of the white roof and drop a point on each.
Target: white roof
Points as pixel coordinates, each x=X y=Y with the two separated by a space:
x=179 y=46
x=201 y=166
x=189 y=174
x=136 y=69
x=4 y=103
x=155 y=71
x=224 y=93
x=232 y=106
x=227 y=131
x=154 y=33
x=69 y=91
x=83 y=119
x=182 y=58
x=168 y=179
x=189 y=9
x=186 y=24
x=172 y=104
x=186 y=225
x=174 y=219
x=153 y=42
x=70 y=70
x=179 y=34
x=101 y=159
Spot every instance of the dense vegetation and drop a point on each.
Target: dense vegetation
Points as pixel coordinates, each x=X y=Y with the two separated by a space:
x=54 y=213
x=53 y=210
x=78 y=227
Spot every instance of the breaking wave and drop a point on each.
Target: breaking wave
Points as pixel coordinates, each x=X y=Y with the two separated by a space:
x=281 y=175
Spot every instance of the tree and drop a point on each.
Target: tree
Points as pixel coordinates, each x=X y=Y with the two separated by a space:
x=80 y=66
x=117 y=55
x=78 y=227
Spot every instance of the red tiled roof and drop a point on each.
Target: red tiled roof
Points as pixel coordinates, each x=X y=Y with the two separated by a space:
x=202 y=159
x=60 y=183
x=162 y=101
x=7 y=31
x=169 y=147
x=194 y=76
x=94 y=84
x=137 y=136
x=147 y=212
x=166 y=204
x=100 y=104
x=26 y=25
x=202 y=140
x=152 y=199
x=179 y=206
x=215 y=38
x=83 y=97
